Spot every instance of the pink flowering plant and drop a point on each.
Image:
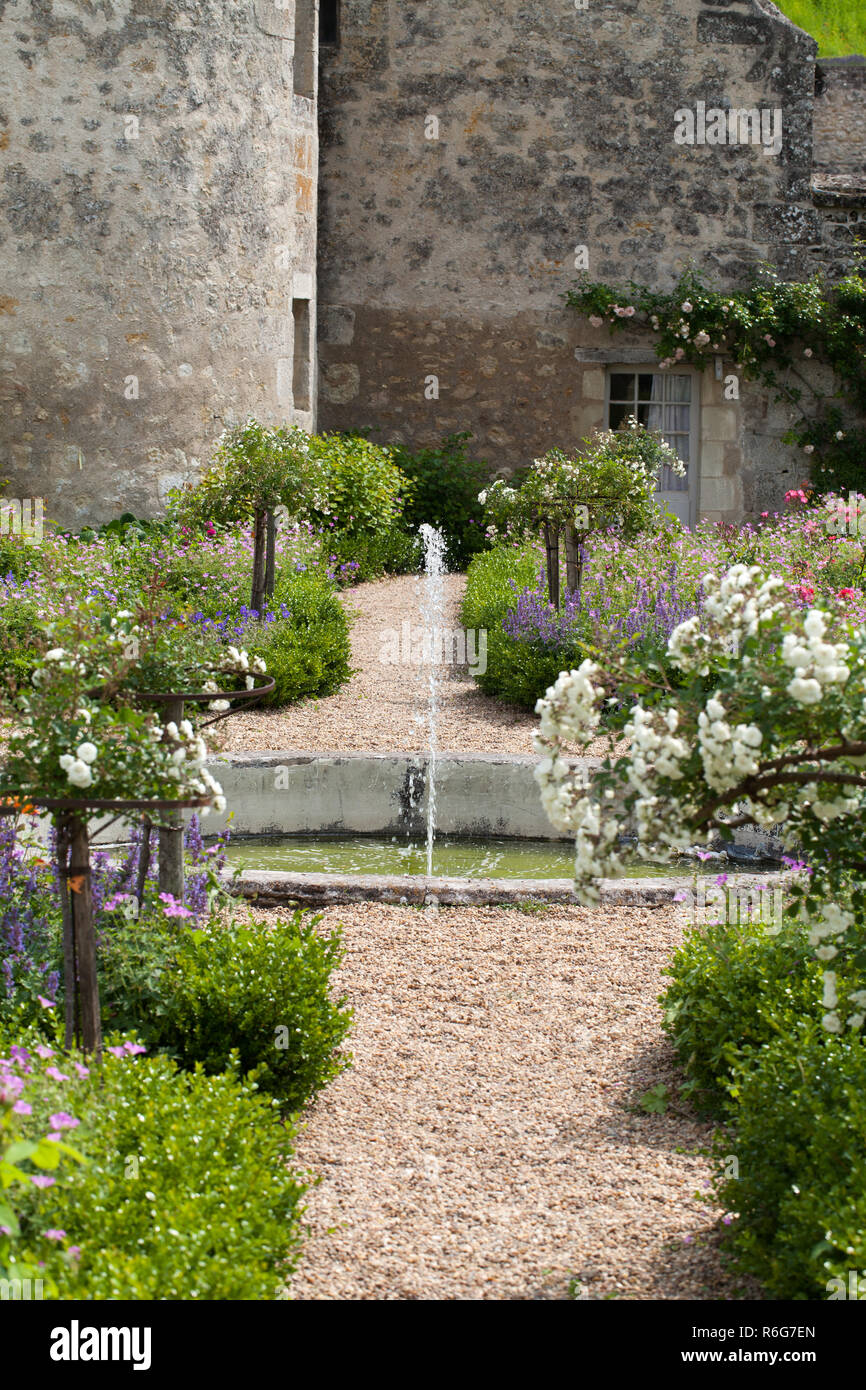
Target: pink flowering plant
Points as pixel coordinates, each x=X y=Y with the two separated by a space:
x=34 y=1157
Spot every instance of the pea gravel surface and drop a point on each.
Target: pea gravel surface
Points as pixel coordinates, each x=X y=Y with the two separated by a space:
x=382 y=709
x=486 y=1143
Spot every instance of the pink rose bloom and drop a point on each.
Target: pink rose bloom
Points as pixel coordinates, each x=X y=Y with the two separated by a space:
x=23 y=1107
x=595 y=320
x=54 y=1234
x=63 y=1121
x=42 y=1180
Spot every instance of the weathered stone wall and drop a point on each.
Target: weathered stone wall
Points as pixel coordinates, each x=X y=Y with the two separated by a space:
x=840 y=115
x=448 y=256
x=157 y=218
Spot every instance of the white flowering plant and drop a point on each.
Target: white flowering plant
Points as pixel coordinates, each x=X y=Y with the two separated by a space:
x=610 y=481
x=74 y=736
x=768 y=729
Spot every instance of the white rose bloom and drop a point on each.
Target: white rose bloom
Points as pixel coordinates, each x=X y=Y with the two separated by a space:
x=66 y=761
x=172 y=730
x=178 y=756
x=805 y=692
x=219 y=706
x=79 y=774
x=87 y=752
x=56 y=654
x=186 y=729
x=251 y=682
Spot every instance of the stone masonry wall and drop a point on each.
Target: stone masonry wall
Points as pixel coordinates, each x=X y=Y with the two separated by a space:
x=157 y=217
x=840 y=115
x=468 y=149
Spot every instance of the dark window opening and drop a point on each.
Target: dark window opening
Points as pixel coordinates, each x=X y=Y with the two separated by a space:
x=302 y=385
x=329 y=22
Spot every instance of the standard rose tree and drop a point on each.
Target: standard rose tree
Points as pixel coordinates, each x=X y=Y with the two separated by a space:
x=255 y=470
x=768 y=728
x=609 y=484
x=72 y=752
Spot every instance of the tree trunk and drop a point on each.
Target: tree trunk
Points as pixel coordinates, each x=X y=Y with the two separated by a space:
x=69 y=972
x=171 y=834
x=257 y=597
x=143 y=863
x=573 y=560
x=551 y=545
x=270 y=555
x=84 y=937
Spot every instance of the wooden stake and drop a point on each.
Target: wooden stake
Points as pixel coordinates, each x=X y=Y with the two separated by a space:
x=171 y=834
x=257 y=596
x=551 y=545
x=573 y=560
x=84 y=936
x=270 y=555
x=69 y=972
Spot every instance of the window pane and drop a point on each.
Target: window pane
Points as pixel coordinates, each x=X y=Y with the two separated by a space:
x=654 y=417
x=645 y=390
x=618 y=415
x=677 y=418
x=622 y=386
x=679 y=388
x=643 y=413
x=680 y=445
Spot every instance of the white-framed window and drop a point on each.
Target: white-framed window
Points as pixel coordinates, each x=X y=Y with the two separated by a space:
x=667 y=401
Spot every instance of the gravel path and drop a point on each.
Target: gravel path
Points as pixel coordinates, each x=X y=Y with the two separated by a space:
x=381 y=708
x=482 y=1145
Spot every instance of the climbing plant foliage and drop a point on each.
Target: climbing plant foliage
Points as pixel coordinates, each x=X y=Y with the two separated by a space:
x=770 y=330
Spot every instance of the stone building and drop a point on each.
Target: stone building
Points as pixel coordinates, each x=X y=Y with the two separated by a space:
x=158 y=225
x=470 y=149
x=157 y=239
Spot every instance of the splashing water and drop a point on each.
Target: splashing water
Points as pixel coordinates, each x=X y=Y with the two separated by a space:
x=433 y=611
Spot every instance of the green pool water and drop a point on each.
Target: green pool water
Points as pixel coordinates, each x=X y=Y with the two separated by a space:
x=452 y=858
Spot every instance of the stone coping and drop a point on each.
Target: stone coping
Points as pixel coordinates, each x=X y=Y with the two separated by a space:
x=273 y=888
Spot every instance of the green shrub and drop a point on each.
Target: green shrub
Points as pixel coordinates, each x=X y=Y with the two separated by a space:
x=308 y=650
x=264 y=991
x=798 y=1133
x=734 y=987
x=186 y=1192
x=493 y=581
x=445 y=487
x=18 y=655
x=358 y=485
x=369 y=555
